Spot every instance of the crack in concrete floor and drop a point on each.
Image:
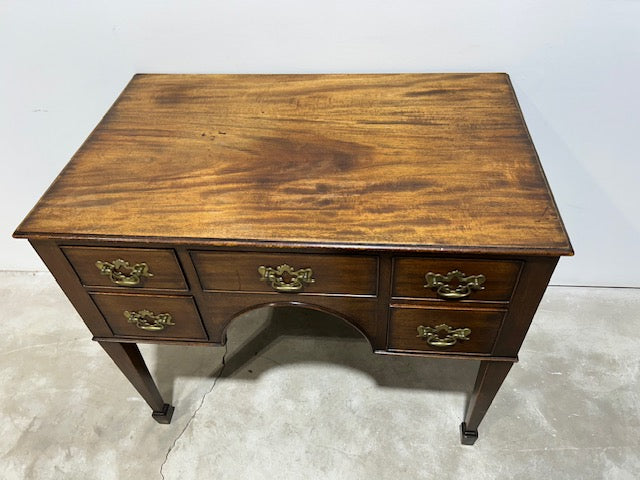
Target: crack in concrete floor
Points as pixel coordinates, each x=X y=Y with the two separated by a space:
x=195 y=412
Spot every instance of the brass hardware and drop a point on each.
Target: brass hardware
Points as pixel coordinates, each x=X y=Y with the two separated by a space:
x=115 y=272
x=284 y=278
x=466 y=284
x=434 y=338
x=147 y=320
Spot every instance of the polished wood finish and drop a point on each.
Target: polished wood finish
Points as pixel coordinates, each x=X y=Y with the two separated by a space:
x=66 y=277
x=182 y=310
x=231 y=271
x=371 y=181
x=221 y=308
x=533 y=282
x=128 y=359
x=488 y=381
x=424 y=161
x=163 y=264
x=484 y=325
x=409 y=277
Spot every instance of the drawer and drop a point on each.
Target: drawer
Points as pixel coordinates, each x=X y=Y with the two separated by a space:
x=126 y=267
x=444 y=329
x=286 y=273
x=153 y=316
x=454 y=279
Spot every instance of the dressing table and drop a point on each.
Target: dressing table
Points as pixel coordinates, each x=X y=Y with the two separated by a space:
x=412 y=206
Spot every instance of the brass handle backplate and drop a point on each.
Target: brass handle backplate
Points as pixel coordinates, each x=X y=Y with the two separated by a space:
x=465 y=284
x=443 y=335
x=147 y=320
x=116 y=272
x=285 y=279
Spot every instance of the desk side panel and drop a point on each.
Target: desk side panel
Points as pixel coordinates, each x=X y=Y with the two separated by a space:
x=66 y=277
x=533 y=282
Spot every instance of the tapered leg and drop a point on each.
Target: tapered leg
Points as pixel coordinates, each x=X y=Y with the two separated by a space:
x=490 y=377
x=128 y=359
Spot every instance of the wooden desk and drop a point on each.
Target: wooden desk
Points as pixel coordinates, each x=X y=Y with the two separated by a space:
x=412 y=206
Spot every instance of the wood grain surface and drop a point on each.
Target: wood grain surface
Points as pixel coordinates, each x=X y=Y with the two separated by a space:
x=409 y=277
x=484 y=326
x=332 y=274
x=182 y=310
x=163 y=266
x=222 y=308
x=424 y=161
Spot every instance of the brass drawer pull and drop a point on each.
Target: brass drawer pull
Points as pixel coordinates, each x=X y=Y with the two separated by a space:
x=147 y=320
x=284 y=278
x=434 y=335
x=115 y=272
x=465 y=284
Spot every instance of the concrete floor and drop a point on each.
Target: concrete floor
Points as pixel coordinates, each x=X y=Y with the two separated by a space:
x=302 y=397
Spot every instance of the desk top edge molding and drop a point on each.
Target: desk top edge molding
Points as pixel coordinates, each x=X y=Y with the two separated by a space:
x=233 y=244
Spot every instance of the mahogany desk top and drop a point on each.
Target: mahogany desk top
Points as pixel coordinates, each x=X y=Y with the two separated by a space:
x=421 y=161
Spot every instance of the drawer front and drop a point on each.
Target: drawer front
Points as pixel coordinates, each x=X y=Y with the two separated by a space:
x=151 y=316
x=444 y=329
x=286 y=273
x=454 y=279
x=144 y=268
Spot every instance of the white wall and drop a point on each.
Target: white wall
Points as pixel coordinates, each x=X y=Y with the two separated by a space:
x=575 y=66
